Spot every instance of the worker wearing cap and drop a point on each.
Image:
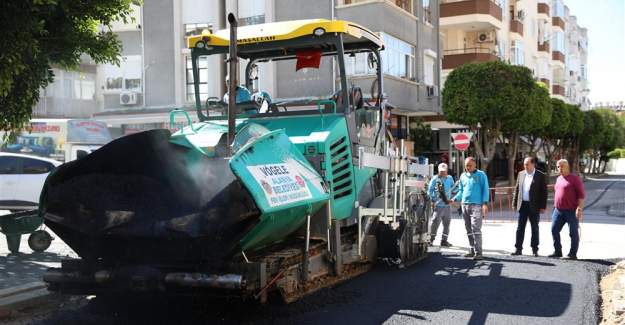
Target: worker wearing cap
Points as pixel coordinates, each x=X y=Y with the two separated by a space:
x=474 y=193
x=439 y=191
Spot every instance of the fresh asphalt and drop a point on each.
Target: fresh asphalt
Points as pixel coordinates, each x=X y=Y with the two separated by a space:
x=443 y=289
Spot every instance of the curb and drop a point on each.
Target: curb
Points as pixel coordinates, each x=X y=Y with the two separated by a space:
x=14 y=299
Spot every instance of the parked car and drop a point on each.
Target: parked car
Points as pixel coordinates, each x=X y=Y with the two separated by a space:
x=21 y=180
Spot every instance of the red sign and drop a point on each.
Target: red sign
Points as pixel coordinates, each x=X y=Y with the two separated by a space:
x=461 y=141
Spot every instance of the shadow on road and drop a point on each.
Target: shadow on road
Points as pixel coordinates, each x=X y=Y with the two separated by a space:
x=18 y=269
x=442 y=282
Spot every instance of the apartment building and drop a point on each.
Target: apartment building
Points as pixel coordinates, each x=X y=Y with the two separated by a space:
x=539 y=34
x=154 y=75
x=411 y=59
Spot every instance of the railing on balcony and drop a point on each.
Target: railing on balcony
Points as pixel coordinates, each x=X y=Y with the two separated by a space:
x=557 y=90
x=470 y=7
x=557 y=56
x=544 y=47
x=557 y=21
x=516 y=26
x=404 y=4
x=543 y=8
x=457 y=57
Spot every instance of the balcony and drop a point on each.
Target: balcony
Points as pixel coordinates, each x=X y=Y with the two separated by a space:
x=557 y=90
x=455 y=58
x=557 y=22
x=543 y=10
x=544 y=47
x=471 y=14
x=557 y=56
x=516 y=27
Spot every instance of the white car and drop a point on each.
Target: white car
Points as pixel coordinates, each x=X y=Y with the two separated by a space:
x=21 y=180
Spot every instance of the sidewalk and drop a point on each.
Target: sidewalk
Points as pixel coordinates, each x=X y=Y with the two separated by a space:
x=600 y=239
x=21 y=283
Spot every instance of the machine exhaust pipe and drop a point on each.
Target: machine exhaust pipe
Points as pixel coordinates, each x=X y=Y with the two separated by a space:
x=233 y=61
x=203 y=280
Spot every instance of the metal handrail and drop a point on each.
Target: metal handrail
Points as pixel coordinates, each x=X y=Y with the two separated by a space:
x=469 y=50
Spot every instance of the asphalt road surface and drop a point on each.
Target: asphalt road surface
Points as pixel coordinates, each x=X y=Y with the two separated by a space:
x=444 y=289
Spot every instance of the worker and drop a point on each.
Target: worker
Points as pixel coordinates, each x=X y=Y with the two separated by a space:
x=439 y=191
x=473 y=193
x=242 y=94
x=568 y=207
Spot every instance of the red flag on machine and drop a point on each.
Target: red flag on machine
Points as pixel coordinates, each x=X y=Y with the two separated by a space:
x=308 y=59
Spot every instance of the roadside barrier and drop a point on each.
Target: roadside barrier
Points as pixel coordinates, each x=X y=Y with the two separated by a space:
x=501 y=210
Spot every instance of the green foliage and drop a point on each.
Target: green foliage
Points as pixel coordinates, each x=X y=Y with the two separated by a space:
x=593 y=131
x=421 y=135
x=496 y=95
x=560 y=121
x=39 y=34
x=616 y=153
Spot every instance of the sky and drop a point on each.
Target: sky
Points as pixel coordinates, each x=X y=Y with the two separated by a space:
x=605 y=21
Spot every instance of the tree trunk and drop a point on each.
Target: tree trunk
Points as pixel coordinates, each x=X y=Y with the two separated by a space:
x=513 y=146
x=485 y=153
x=549 y=152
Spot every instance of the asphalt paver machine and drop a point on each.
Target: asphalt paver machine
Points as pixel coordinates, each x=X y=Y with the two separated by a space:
x=262 y=195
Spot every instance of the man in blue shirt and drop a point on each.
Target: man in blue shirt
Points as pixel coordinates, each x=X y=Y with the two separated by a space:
x=474 y=194
x=439 y=191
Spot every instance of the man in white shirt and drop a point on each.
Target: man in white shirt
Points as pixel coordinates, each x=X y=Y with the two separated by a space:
x=530 y=200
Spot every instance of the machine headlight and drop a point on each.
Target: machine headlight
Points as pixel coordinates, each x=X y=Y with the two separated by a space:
x=319 y=31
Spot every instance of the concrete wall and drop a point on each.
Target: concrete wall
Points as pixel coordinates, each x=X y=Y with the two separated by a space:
x=616 y=166
x=378 y=16
x=158 y=22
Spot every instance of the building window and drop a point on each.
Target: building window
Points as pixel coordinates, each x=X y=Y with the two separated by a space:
x=125 y=77
x=196 y=29
x=559 y=40
x=427 y=12
x=357 y=64
x=398 y=57
x=404 y=4
x=428 y=69
x=557 y=9
x=251 y=12
x=203 y=73
x=517 y=54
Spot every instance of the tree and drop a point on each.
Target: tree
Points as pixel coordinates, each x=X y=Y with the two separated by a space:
x=554 y=132
x=39 y=34
x=421 y=135
x=593 y=136
x=613 y=136
x=492 y=98
x=535 y=115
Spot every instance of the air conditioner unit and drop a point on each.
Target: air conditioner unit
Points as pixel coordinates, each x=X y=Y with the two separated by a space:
x=431 y=91
x=128 y=98
x=485 y=37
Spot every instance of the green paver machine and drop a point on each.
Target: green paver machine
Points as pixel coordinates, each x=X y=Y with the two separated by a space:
x=261 y=196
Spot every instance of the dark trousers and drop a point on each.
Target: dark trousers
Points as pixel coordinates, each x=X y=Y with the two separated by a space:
x=558 y=219
x=524 y=214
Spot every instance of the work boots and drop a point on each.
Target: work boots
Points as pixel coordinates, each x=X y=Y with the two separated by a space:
x=471 y=253
x=556 y=254
x=517 y=252
x=445 y=243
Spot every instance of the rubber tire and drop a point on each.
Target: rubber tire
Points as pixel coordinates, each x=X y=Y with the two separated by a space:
x=39 y=241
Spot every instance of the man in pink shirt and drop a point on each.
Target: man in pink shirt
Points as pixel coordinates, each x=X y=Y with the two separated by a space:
x=568 y=206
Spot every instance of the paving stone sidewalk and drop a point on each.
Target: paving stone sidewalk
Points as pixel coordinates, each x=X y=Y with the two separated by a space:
x=29 y=266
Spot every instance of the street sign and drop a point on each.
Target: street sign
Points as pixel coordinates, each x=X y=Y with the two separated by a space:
x=462 y=140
